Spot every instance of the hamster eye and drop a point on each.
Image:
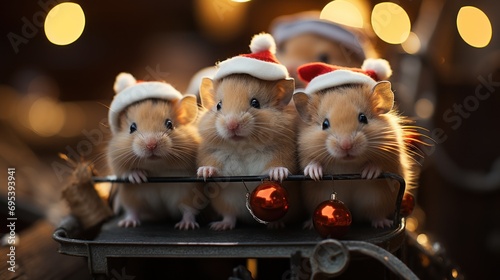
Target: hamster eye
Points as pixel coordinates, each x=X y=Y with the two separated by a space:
x=362 y=118
x=323 y=57
x=326 y=124
x=168 y=124
x=219 y=105
x=133 y=127
x=255 y=103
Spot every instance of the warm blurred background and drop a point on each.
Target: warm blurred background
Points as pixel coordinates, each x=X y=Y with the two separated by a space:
x=57 y=73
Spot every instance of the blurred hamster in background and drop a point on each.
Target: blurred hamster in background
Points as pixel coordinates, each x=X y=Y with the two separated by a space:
x=352 y=128
x=250 y=129
x=153 y=134
x=304 y=37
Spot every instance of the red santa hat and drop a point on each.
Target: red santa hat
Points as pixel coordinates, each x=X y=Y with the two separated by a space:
x=321 y=76
x=129 y=91
x=261 y=63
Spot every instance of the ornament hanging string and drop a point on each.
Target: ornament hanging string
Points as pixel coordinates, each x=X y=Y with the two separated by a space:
x=247 y=204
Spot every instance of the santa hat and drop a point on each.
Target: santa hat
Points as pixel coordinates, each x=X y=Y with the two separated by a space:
x=129 y=91
x=288 y=26
x=321 y=76
x=261 y=63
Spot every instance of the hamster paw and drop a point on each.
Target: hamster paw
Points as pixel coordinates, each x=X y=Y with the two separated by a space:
x=314 y=170
x=136 y=176
x=308 y=224
x=188 y=221
x=371 y=171
x=278 y=173
x=187 y=225
x=206 y=171
x=129 y=221
x=381 y=223
x=227 y=223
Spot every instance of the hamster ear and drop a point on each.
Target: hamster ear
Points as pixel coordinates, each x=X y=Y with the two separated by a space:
x=383 y=97
x=123 y=81
x=186 y=109
x=302 y=101
x=285 y=90
x=207 y=95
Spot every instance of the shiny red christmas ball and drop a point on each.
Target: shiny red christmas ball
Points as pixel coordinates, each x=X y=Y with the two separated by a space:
x=269 y=201
x=407 y=205
x=332 y=218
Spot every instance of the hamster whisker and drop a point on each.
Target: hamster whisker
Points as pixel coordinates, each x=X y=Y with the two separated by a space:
x=175 y=151
x=280 y=131
x=387 y=154
x=324 y=156
x=182 y=159
x=125 y=158
x=385 y=147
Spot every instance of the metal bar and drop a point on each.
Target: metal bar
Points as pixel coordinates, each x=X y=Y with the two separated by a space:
x=331 y=257
x=386 y=258
x=115 y=179
x=329 y=177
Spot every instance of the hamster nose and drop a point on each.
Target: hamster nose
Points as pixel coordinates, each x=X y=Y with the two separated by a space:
x=232 y=125
x=346 y=145
x=151 y=145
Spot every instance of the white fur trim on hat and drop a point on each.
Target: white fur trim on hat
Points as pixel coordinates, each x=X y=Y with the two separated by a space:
x=257 y=68
x=195 y=82
x=380 y=66
x=128 y=93
x=260 y=63
x=337 y=78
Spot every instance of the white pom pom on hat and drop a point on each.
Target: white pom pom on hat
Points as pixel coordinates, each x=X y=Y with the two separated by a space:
x=380 y=66
x=260 y=63
x=122 y=81
x=263 y=42
x=129 y=91
x=321 y=76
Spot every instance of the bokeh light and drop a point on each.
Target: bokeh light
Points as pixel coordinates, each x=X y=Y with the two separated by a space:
x=221 y=20
x=424 y=108
x=342 y=12
x=474 y=26
x=64 y=23
x=412 y=44
x=46 y=117
x=390 y=22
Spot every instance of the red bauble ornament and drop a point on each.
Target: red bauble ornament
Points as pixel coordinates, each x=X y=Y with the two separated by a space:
x=268 y=202
x=332 y=218
x=407 y=205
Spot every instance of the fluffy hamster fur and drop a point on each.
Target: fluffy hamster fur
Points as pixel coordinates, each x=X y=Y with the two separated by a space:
x=250 y=129
x=156 y=138
x=354 y=129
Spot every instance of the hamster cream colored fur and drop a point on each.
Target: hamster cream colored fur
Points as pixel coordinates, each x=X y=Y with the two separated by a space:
x=353 y=129
x=249 y=129
x=156 y=138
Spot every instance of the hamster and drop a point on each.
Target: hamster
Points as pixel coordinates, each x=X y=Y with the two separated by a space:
x=353 y=129
x=156 y=138
x=250 y=129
